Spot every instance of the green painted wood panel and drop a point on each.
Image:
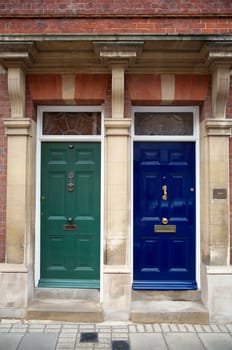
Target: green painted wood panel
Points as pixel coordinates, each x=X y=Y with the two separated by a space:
x=70 y=255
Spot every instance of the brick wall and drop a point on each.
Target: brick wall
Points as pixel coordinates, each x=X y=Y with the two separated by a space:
x=4 y=113
x=116 y=16
x=141 y=25
x=114 y=7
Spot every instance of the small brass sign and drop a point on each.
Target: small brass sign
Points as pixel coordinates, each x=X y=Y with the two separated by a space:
x=165 y=228
x=69 y=227
x=219 y=193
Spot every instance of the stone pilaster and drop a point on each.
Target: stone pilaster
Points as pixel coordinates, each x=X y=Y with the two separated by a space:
x=215 y=133
x=117 y=277
x=18 y=133
x=215 y=190
x=117 y=248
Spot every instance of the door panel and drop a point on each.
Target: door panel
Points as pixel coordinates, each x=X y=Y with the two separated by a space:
x=70 y=215
x=164 y=215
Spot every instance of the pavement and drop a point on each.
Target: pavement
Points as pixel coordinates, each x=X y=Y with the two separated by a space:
x=49 y=335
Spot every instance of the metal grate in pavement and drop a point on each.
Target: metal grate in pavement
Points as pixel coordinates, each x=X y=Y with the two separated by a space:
x=88 y=337
x=120 y=345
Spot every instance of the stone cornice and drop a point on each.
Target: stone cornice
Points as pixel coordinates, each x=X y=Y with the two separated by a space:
x=118 y=52
x=218 y=127
x=219 y=53
x=17 y=54
x=17 y=127
x=117 y=127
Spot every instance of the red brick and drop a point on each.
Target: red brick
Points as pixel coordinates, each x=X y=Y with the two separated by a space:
x=144 y=88
x=114 y=7
x=192 y=88
x=115 y=25
x=45 y=87
x=91 y=87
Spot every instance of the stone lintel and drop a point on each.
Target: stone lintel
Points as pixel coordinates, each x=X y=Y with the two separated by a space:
x=218 y=127
x=17 y=126
x=117 y=127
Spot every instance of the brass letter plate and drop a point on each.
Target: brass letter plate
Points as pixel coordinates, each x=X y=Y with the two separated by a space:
x=165 y=228
x=70 y=227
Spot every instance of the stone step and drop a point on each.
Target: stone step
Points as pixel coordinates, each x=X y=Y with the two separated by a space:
x=159 y=295
x=169 y=311
x=69 y=310
x=67 y=293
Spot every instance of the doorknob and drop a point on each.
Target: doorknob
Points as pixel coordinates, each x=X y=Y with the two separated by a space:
x=165 y=192
x=70 y=219
x=164 y=221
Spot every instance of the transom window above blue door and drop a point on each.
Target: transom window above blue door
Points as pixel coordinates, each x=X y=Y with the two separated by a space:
x=166 y=123
x=156 y=123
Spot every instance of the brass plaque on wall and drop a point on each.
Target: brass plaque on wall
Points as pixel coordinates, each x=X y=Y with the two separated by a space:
x=165 y=228
x=219 y=193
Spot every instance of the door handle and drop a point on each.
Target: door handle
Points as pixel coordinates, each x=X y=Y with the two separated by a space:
x=164 y=221
x=165 y=192
x=70 y=187
x=70 y=219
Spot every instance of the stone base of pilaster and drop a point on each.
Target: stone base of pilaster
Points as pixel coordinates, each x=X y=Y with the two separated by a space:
x=216 y=286
x=117 y=293
x=13 y=291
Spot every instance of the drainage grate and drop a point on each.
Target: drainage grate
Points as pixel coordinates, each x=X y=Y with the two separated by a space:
x=120 y=345
x=88 y=337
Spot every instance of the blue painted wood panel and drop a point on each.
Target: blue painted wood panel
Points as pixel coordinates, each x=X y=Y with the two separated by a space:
x=164 y=260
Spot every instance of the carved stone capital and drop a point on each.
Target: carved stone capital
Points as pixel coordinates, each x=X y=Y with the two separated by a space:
x=17 y=127
x=117 y=127
x=218 y=127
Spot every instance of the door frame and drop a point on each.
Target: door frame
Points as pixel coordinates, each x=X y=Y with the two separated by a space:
x=172 y=138
x=64 y=138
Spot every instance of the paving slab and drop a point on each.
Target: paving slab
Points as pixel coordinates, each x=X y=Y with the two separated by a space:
x=177 y=341
x=147 y=342
x=38 y=342
x=216 y=341
x=9 y=341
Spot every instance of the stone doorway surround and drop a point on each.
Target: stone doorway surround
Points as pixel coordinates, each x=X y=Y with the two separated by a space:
x=134 y=56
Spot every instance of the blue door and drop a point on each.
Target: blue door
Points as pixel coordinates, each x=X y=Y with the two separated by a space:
x=164 y=216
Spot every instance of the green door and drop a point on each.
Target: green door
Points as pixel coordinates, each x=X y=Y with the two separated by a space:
x=70 y=214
